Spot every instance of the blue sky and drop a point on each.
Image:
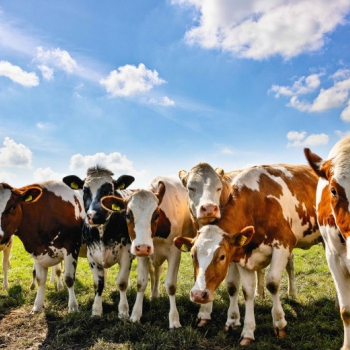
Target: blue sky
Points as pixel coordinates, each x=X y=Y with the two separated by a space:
x=152 y=87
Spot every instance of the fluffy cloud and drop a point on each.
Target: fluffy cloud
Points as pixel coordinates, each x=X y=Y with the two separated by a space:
x=58 y=58
x=345 y=115
x=43 y=174
x=131 y=80
x=115 y=162
x=299 y=139
x=44 y=126
x=261 y=28
x=15 y=154
x=165 y=101
x=17 y=75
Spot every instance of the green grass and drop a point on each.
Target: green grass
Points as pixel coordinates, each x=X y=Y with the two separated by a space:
x=313 y=321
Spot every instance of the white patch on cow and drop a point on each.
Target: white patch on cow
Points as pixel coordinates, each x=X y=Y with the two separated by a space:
x=284 y=170
x=5 y=195
x=249 y=178
x=260 y=257
x=348 y=248
x=50 y=259
x=206 y=244
x=67 y=195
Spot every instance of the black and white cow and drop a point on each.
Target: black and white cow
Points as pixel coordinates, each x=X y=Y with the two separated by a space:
x=105 y=234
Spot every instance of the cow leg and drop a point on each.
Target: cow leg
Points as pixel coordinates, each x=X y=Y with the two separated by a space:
x=292 y=289
x=99 y=283
x=70 y=264
x=57 y=270
x=232 y=286
x=260 y=290
x=170 y=285
x=41 y=276
x=204 y=314
x=278 y=264
x=142 y=279
x=32 y=286
x=123 y=282
x=6 y=264
x=155 y=288
x=248 y=285
x=342 y=281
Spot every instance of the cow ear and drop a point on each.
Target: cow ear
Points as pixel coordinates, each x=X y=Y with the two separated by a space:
x=183 y=243
x=31 y=194
x=73 y=182
x=220 y=172
x=123 y=182
x=242 y=238
x=113 y=203
x=161 y=191
x=183 y=175
x=316 y=163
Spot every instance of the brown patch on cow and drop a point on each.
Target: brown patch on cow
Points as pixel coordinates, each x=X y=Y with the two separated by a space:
x=69 y=281
x=172 y=290
x=231 y=289
x=345 y=315
x=164 y=226
x=131 y=229
x=272 y=287
x=122 y=286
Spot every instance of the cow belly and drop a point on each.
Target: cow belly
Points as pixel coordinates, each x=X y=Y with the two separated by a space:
x=106 y=257
x=48 y=260
x=308 y=241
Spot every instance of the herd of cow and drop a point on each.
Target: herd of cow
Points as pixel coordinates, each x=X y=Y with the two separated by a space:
x=234 y=224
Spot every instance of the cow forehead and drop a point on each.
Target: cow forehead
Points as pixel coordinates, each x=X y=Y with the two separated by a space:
x=143 y=203
x=341 y=159
x=94 y=183
x=206 y=179
x=5 y=195
x=207 y=242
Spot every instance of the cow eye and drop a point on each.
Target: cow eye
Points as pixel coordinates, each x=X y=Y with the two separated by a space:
x=222 y=257
x=155 y=217
x=334 y=192
x=191 y=189
x=219 y=189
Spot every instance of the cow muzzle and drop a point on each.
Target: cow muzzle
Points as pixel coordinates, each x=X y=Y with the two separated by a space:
x=143 y=250
x=209 y=211
x=202 y=296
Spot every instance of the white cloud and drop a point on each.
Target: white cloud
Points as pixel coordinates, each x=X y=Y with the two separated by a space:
x=116 y=162
x=131 y=80
x=165 y=101
x=15 y=154
x=46 y=71
x=261 y=28
x=44 y=174
x=17 y=75
x=345 y=114
x=342 y=133
x=227 y=150
x=44 y=126
x=7 y=177
x=299 y=139
x=303 y=85
x=57 y=58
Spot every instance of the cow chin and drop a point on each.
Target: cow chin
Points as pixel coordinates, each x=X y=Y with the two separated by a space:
x=207 y=220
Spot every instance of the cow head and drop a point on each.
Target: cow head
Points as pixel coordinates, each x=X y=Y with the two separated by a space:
x=97 y=184
x=208 y=190
x=12 y=201
x=212 y=251
x=142 y=215
x=335 y=172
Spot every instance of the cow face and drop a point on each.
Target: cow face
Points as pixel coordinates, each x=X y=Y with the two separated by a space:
x=98 y=183
x=142 y=216
x=11 y=202
x=334 y=190
x=212 y=251
x=204 y=186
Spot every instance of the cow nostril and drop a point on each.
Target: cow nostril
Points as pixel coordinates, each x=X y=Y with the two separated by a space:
x=137 y=248
x=204 y=295
x=203 y=208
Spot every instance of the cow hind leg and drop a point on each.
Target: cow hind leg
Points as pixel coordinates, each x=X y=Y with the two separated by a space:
x=57 y=271
x=6 y=265
x=260 y=290
x=232 y=286
x=41 y=276
x=70 y=263
x=292 y=289
x=155 y=288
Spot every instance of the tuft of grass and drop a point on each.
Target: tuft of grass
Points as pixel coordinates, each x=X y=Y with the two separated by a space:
x=313 y=320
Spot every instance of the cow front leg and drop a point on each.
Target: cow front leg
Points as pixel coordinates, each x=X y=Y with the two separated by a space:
x=41 y=276
x=6 y=264
x=142 y=279
x=248 y=285
x=170 y=285
x=123 y=283
x=232 y=286
x=70 y=264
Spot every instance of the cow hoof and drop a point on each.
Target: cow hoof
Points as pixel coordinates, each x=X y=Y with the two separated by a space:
x=174 y=328
x=245 y=341
x=232 y=326
x=123 y=316
x=201 y=322
x=281 y=333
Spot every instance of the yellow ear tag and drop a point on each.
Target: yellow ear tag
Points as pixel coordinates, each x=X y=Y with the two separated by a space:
x=121 y=187
x=115 y=207
x=74 y=185
x=242 y=240
x=184 y=248
x=28 y=198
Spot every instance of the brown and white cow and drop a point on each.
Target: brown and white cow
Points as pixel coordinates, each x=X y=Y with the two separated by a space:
x=278 y=202
x=105 y=234
x=333 y=215
x=208 y=192
x=155 y=216
x=6 y=252
x=48 y=218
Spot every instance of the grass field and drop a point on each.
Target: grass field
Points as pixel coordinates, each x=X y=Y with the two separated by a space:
x=313 y=321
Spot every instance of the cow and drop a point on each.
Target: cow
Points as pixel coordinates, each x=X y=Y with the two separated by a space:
x=48 y=219
x=55 y=271
x=155 y=216
x=278 y=202
x=333 y=216
x=6 y=251
x=205 y=200
x=105 y=234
